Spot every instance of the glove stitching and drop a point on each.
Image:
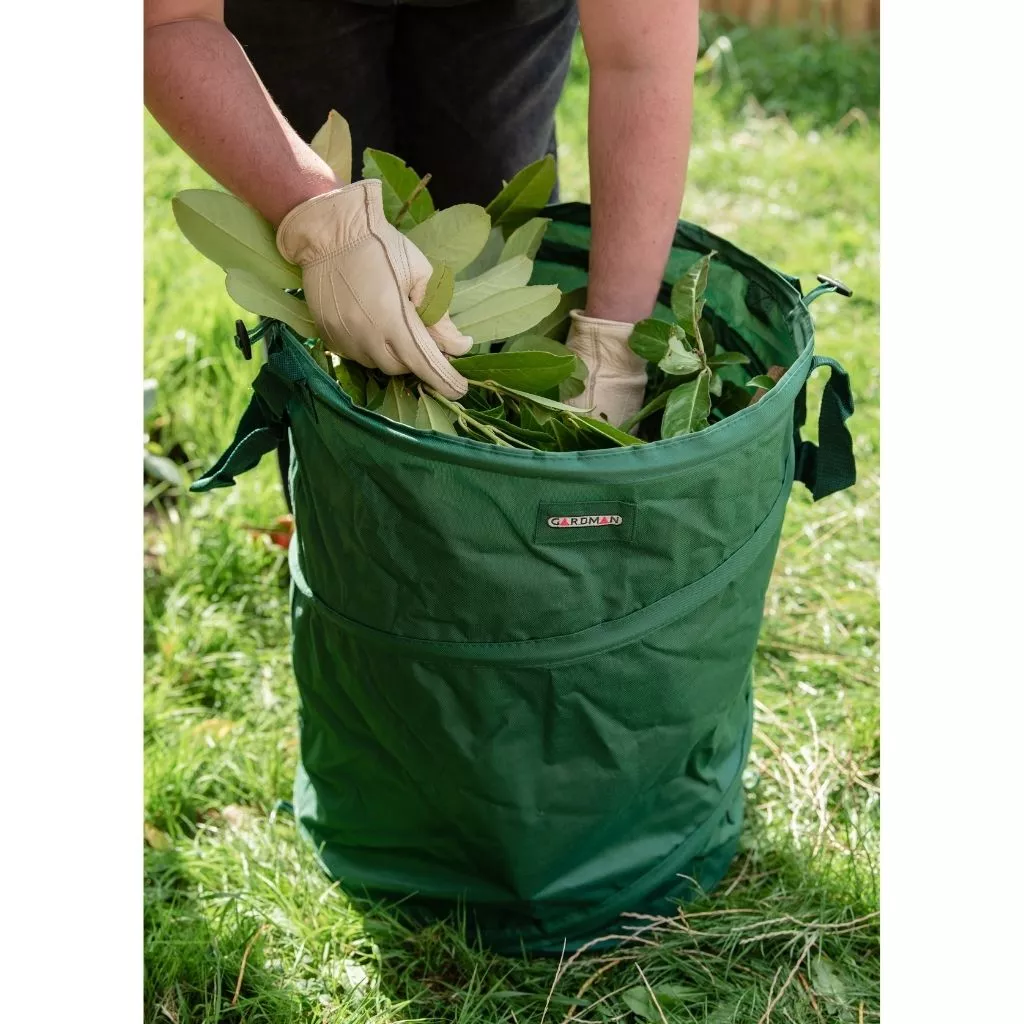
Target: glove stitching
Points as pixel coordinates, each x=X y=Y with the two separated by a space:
x=337 y=307
x=595 y=373
x=355 y=297
x=443 y=371
x=336 y=252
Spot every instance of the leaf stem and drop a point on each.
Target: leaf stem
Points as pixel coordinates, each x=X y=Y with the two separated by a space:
x=407 y=205
x=652 y=406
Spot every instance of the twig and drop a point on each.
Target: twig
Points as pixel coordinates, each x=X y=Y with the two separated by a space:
x=245 y=957
x=554 y=982
x=654 y=998
x=739 y=877
x=571 y=1012
x=563 y=967
x=810 y=994
x=172 y=1016
x=406 y=206
x=771 y=994
x=772 y=1002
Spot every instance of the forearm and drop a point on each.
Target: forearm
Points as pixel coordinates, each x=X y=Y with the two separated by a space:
x=201 y=88
x=642 y=58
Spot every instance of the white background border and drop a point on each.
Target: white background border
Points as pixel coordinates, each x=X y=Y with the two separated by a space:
x=70 y=416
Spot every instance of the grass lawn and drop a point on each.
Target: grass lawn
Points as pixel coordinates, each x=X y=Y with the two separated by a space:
x=239 y=923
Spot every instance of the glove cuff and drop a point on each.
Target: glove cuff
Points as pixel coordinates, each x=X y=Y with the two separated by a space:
x=324 y=225
x=605 y=343
x=608 y=328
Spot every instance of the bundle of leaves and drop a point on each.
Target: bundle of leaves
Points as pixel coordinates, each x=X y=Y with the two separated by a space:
x=686 y=392
x=520 y=372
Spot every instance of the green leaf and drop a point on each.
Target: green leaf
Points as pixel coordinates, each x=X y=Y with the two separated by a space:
x=825 y=980
x=715 y=387
x=680 y=360
x=508 y=313
x=673 y=997
x=489 y=256
x=688 y=407
x=352 y=378
x=761 y=381
x=546 y=403
x=528 y=371
x=650 y=338
x=374 y=393
x=398 y=182
x=232 y=234
x=656 y=403
x=671 y=1001
x=688 y=295
x=438 y=296
x=567 y=436
x=454 y=236
x=399 y=402
x=728 y=359
x=526 y=239
x=333 y=144
x=576 y=383
x=707 y=337
x=534 y=417
x=727 y=1013
x=535 y=343
x=573 y=385
x=431 y=415
x=620 y=437
x=556 y=323
x=320 y=357
x=537 y=439
x=512 y=273
x=255 y=295
x=525 y=195
x=638 y=999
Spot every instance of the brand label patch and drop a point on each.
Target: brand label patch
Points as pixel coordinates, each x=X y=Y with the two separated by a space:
x=572 y=522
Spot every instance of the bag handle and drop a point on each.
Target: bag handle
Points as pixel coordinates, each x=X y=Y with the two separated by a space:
x=263 y=426
x=829 y=465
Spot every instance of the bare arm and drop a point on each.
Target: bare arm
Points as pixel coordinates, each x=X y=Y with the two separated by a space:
x=642 y=55
x=201 y=88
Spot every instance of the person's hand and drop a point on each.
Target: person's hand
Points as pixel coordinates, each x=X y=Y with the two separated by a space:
x=363 y=280
x=616 y=375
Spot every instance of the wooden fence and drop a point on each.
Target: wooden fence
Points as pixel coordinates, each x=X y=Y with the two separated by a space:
x=847 y=17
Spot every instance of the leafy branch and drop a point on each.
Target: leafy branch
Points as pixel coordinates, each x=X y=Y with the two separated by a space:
x=483 y=260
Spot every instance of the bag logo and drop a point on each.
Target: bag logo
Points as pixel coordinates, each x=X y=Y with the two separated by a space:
x=570 y=522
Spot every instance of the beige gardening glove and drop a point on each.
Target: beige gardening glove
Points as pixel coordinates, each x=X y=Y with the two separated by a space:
x=616 y=375
x=363 y=280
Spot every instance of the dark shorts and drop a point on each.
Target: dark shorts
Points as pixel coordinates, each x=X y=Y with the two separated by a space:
x=466 y=92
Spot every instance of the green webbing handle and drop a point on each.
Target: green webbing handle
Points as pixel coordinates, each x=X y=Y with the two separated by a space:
x=261 y=429
x=829 y=465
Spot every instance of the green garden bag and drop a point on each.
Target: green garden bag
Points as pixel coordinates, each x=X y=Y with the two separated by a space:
x=505 y=710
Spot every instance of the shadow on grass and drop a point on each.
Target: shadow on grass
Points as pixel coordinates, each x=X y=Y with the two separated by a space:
x=779 y=916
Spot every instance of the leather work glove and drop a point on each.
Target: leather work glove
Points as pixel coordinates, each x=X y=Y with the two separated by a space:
x=363 y=279
x=616 y=375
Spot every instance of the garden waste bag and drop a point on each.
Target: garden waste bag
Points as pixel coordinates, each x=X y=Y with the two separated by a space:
x=525 y=677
